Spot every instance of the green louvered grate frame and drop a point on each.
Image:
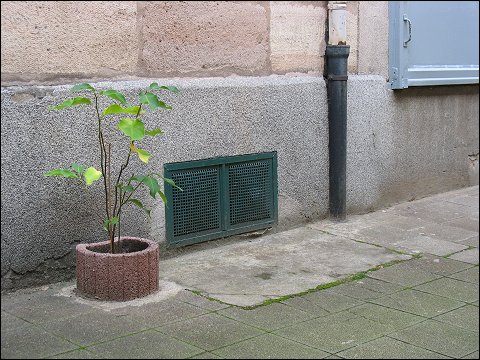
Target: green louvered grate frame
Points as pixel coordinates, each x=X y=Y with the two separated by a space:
x=221 y=196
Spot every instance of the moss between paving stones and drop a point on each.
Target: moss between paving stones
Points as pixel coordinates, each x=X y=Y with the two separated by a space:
x=354 y=277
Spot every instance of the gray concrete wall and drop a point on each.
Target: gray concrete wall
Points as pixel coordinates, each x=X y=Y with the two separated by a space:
x=402 y=145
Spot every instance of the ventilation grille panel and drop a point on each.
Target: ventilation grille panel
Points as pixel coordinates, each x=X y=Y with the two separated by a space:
x=221 y=197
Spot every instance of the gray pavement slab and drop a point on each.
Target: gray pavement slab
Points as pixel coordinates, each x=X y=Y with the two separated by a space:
x=405 y=276
x=388 y=348
x=465 y=317
x=435 y=265
x=10 y=322
x=92 y=327
x=210 y=331
x=271 y=317
x=440 y=337
x=380 y=286
x=76 y=354
x=334 y=333
x=467 y=223
x=311 y=307
x=446 y=231
x=424 y=244
x=473 y=241
x=468 y=256
x=274 y=265
x=157 y=314
x=145 y=345
x=200 y=301
x=332 y=301
x=451 y=288
x=473 y=355
x=32 y=343
x=269 y=346
x=205 y=355
x=470 y=275
x=393 y=319
x=418 y=303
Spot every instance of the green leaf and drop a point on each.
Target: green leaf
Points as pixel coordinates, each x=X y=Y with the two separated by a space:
x=83 y=86
x=127 y=188
x=133 y=128
x=78 y=168
x=142 y=154
x=113 y=220
x=152 y=101
x=71 y=102
x=91 y=175
x=151 y=183
x=171 y=182
x=154 y=86
x=117 y=109
x=162 y=195
x=62 y=172
x=140 y=205
x=154 y=132
x=115 y=95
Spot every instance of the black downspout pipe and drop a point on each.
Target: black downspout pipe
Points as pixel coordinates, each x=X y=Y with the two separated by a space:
x=337 y=56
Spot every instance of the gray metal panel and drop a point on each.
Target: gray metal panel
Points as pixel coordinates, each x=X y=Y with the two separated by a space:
x=433 y=43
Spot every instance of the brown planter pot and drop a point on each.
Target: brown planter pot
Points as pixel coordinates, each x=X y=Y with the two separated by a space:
x=118 y=277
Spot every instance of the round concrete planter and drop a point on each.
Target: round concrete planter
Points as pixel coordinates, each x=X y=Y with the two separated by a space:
x=118 y=277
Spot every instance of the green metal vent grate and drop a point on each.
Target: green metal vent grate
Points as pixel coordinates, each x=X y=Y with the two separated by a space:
x=221 y=196
x=200 y=198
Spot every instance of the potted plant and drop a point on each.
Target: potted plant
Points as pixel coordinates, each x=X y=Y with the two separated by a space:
x=122 y=267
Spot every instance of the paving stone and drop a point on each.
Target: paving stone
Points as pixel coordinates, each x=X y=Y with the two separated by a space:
x=435 y=265
x=418 y=303
x=330 y=301
x=93 y=327
x=424 y=244
x=269 y=346
x=466 y=223
x=145 y=345
x=388 y=348
x=270 y=317
x=440 y=337
x=382 y=235
x=299 y=302
x=210 y=331
x=40 y=307
x=379 y=285
x=465 y=317
x=76 y=354
x=468 y=256
x=200 y=301
x=470 y=275
x=473 y=355
x=157 y=314
x=473 y=241
x=394 y=319
x=434 y=210
x=405 y=222
x=466 y=200
x=334 y=333
x=451 y=288
x=10 y=322
x=444 y=232
x=29 y=342
x=206 y=355
x=357 y=290
x=403 y=276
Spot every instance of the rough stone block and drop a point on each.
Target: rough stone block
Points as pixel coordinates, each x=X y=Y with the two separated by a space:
x=297 y=36
x=204 y=37
x=53 y=38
